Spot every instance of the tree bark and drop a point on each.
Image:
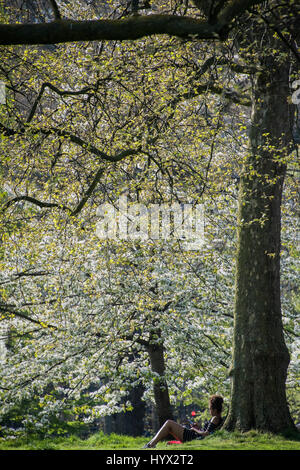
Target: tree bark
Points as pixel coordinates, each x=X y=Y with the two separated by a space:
x=160 y=386
x=260 y=355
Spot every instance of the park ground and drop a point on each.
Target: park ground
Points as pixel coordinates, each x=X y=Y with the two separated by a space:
x=222 y=440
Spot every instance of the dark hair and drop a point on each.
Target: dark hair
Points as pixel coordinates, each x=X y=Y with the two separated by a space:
x=216 y=402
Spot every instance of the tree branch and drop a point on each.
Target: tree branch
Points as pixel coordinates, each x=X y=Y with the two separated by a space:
x=197 y=90
x=35 y=201
x=55 y=9
x=233 y=9
x=24 y=316
x=88 y=192
x=59 y=92
x=76 y=140
x=134 y=27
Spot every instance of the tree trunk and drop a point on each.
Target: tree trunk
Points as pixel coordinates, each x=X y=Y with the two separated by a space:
x=160 y=386
x=260 y=356
x=130 y=423
x=134 y=420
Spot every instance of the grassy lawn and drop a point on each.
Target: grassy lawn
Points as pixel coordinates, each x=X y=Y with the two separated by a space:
x=221 y=440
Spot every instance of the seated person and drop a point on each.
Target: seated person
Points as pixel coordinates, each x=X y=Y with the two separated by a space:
x=184 y=434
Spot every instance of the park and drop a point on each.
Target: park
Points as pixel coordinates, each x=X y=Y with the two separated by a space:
x=149 y=217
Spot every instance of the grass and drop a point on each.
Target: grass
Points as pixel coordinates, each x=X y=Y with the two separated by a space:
x=221 y=440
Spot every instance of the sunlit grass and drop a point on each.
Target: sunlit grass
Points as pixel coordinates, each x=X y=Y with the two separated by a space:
x=222 y=440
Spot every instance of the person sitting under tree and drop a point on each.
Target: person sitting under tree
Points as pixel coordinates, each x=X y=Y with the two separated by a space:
x=184 y=434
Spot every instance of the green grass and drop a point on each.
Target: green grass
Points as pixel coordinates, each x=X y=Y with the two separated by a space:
x=221 y=440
